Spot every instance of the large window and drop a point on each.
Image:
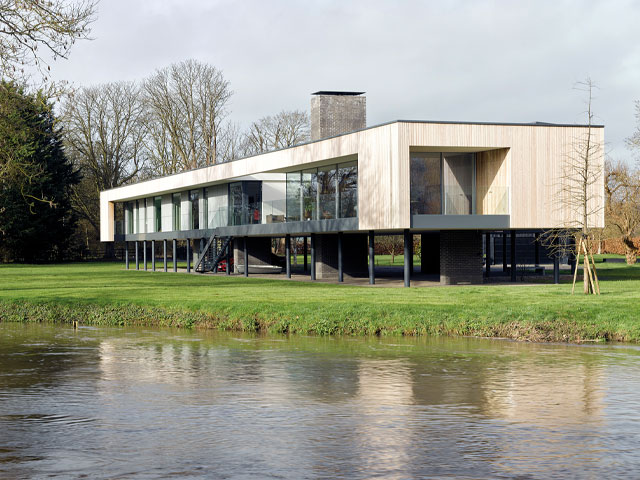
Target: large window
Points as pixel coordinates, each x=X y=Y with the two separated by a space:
x=327 y=192
x=310 y=194
x=426 y=183
x=294 y=192
x=205 y=208
x=157 y=206
x=348 y=190
x=442 y=183
x=195 y=209
x=128 y=220
x=175 y=203
x=323 y=193
x=245 y=203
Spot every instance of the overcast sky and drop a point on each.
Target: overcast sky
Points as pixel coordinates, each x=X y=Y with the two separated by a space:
x=512 y=61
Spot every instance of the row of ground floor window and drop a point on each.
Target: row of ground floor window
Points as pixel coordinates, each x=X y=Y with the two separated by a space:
x=450 y=256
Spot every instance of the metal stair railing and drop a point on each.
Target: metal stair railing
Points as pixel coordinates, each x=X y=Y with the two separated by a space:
x=207 y=261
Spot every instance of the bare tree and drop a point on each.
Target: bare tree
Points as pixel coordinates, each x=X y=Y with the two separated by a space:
x=581 y=195
x=186 y=107
x=286 y=129
x=32 y=31
x=622 y=189
x=390 y=245
x=104 y=133
x=634 y=140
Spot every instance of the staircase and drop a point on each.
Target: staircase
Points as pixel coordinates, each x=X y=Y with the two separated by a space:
x=214 y=251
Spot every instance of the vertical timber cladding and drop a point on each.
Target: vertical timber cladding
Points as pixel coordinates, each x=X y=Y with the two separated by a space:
x=535 y=155
x=383 y=179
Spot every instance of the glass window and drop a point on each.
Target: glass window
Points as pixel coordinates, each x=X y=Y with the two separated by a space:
x=205 y=208
x=425 y=186
x=148 y=221
x=458 y=171
x=195 y=209
x=245 y=203
x=348 y=190
x=157 y=205
x=236 y=216
x=310 y=194
x=294 y=203
x=175 y=201
x=327 y=192
x=129 y=217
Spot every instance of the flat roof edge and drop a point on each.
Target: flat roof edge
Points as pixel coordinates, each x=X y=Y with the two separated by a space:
x=379 y=125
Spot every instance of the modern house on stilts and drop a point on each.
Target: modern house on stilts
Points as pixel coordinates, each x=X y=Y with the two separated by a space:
x=468 y=189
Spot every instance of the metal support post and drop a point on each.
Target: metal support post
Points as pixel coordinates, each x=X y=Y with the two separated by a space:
x=188 y=256
x=229 y=250
x=536 y=248
x=246 y=257
x=313 y=256
x=372 y=273
x=407 y=259
x=287 y=254
x=304 y=253
x=340 y=269
x=144 y=254
x=164 y=251
x=153 y=255
x=504 y=252
x=488 y=260
x=514 y=267
x=126 y=255
x=175 y=255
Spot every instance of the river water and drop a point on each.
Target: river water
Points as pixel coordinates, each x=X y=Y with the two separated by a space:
x=145 y=403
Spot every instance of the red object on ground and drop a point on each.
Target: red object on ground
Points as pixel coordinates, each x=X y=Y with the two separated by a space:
x=222 y=266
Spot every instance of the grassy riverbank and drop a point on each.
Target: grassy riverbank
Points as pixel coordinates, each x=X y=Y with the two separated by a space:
x=103 y=293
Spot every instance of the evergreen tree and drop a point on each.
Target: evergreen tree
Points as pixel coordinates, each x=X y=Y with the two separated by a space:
x=36 y=219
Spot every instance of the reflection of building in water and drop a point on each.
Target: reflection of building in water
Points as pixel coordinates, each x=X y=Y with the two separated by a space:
x=386 y=403
x=545 y=393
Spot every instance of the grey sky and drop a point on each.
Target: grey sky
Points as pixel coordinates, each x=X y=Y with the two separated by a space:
x=429 y=60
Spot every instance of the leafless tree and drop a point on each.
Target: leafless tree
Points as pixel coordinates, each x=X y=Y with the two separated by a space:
x=390 y=245
x=186 y=108
x=286 y=129
x=581 y=194
x=634 y=140
x=34 y=31
x=622 y=210
x=104 y=132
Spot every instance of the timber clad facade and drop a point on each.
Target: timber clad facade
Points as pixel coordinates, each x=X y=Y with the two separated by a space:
x=412 y=177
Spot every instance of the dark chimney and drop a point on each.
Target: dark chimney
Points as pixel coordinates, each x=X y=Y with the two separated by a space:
x=335 y=113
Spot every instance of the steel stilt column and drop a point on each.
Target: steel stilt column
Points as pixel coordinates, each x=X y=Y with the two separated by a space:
x=188 y=256
x=137 y=257
x=126 y=255
x=144 y=254
x=246 y=257
x=153 y=255
x=313 y=256
x=175 y=255
x=164 y=250
x=514 y=266
x=372 y=259
x=407 y=258
x=287 y=254
x=340 y=269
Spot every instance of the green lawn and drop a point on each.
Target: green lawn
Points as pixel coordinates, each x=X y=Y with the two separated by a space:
x=105 y=293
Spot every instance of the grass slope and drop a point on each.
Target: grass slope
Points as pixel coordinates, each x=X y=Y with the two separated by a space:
x=103 y=293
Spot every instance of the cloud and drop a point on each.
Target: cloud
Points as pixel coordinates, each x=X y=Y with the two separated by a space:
x=464 y=60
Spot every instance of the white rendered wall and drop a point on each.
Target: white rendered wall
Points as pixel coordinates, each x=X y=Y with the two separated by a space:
x=274 y=194
x=167 y=209
x=185 y=211
x=218 y=204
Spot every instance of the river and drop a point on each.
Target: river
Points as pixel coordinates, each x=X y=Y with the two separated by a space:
x=161 y=403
